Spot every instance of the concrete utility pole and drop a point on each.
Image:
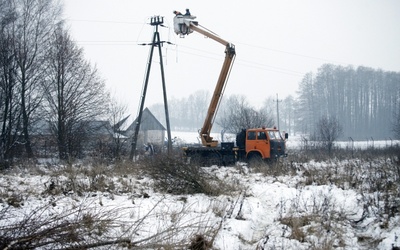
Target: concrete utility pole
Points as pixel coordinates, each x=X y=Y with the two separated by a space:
x=155 y=21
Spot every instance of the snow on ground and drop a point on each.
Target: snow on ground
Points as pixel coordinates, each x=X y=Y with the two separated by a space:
x=264 y=211
x=261 y=213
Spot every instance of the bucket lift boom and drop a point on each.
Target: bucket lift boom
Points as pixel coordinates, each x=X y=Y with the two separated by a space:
x=184 y=25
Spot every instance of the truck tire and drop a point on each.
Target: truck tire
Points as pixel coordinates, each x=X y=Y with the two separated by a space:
x=254 y=159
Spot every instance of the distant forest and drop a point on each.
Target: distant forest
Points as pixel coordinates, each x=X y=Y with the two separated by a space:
x=365 y=101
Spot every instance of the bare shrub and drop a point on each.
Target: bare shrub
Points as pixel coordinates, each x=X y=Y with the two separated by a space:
x=296 y=224
x=328 y=131
x=381 y=188
x=87 y=226
x=314 y=219
x=80 y=179
x=79 y=227
x=275 y=168
x=374 y=174
x=125 y=168
x=15 y=200
x=199 y=242
x=174 y=176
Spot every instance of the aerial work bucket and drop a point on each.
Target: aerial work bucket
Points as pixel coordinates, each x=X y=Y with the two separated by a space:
x=182 y=23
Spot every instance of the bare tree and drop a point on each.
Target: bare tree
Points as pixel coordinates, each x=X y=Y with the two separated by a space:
x=32 y=30
x=396 y=124
x=306 y=105
x=9 y=108
x=117 y=117
x=238 y=114
x=74 y=94
x=288 y=114
x=186 y=113
x=198 y=103
x=328 y=131
x=268 y=110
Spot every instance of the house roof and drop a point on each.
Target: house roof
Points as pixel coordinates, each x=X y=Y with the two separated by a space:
x=148 y=122
x=118 y=126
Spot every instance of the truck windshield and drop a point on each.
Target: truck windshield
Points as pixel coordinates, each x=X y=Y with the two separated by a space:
x=273 y=135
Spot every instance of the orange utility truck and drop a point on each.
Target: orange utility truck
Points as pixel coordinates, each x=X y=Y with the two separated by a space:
x=254 y=144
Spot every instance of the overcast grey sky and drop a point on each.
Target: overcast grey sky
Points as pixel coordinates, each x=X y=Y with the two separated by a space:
x=277 y=42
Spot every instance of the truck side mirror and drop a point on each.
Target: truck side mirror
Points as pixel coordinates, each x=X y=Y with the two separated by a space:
x=286 y=136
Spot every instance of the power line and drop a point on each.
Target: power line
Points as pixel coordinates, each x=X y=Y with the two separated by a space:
x=213 y=56
x=102 y=21
x=251 y=64
x=242 y=43
x=203 y=53
x=291 y=53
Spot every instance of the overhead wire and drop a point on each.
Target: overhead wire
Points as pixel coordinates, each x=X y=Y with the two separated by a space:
x=246 y=63
x=290 y=53
x=203 y=54
x=101 y=21
x=215 y=56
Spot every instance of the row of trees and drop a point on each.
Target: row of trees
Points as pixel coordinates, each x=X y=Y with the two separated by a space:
x=235 y=113
x=363 y=101
x=43 y=77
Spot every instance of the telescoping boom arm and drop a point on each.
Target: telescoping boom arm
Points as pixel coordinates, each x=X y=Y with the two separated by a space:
x=184 y=25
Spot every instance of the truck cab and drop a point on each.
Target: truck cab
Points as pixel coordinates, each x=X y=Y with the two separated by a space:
x=262 y=143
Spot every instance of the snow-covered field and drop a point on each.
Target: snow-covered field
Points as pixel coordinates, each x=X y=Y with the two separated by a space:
x=348 y=204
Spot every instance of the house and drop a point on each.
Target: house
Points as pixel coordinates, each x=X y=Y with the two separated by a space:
x=151 y=130
x=83 y=137
x=97 y=137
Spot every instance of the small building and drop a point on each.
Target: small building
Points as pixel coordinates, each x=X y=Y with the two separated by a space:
x=85 y=137
x=151 y=130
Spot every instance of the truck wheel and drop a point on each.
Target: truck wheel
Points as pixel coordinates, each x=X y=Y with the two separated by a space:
x=255 y=159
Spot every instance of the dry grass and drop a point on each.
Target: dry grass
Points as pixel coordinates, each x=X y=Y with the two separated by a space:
x=373 y=174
